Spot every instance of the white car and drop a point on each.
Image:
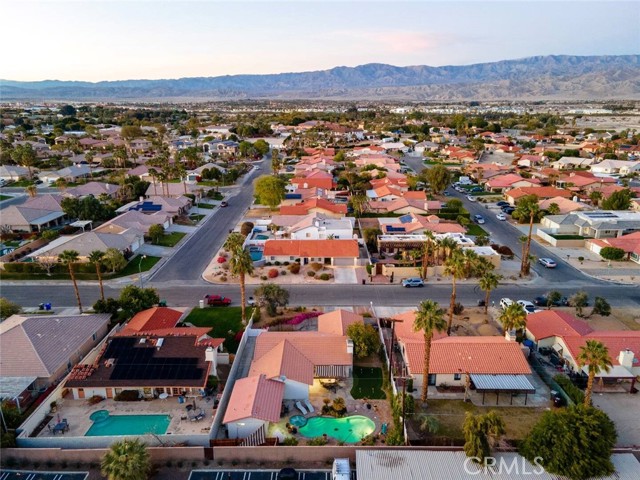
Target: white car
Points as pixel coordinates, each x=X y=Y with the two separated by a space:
x=547 y=263
x=471 y=198
x=505 y=302
x=528 y=306
x=501 y=216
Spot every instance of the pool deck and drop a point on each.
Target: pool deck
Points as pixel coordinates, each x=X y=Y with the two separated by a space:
x=77 y=413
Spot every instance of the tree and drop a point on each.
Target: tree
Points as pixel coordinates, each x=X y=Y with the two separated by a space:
x=365 y=339
x=26 y=156
x=514 y=317
x=31 y=190
x=370 y=236
x=620 y=200
x=527 y=208
x=595 y=355
x=553 y=209
x=8 y=308
x=156 y=232
x=246 y=228
x=96 y=257
x=241 y=264
x=476 y=442
x=439 y=177
x=68 y=111
x=69 y=258
x=49 y=235
x=126 y=460
x=273 y=296
x=553 y=297
x=270 y=190
x=246 y=149
x=575 y=442
x=579 y=300
x=261 y=146
x=488 y=282
x=429 y=319
x=359 y=203
x=135 y=299
x=456 y=267
x=601 y=307
x=129 y=132
x=612 y=253
x=595 y=197
x=234 y=240
x=114 y=259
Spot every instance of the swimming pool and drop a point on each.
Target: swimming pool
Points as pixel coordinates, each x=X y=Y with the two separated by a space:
x=105 y=424
x=255 y=255
x=348 y=429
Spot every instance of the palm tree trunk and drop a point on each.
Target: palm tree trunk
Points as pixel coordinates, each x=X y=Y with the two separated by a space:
x=526 y=266
x=99 y=273
x=243 y=298
x=589 y=389
x=486 y=302
x=425 y=373
x=75 y=286
x=452 y=304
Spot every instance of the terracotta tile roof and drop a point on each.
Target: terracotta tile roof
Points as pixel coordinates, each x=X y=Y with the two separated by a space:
x=629 y=243
x=481 y=355
x=255 y=397
x=320 y=348
x=615 y=341
x=404 y=328
x=153 y=319
x=312 y=248
x=565 y=205
x=541 y=192
x=550 y=323
x=284 y=360
x=303 y=208
x=338 y=321
x=509 y=179
x=417 y=195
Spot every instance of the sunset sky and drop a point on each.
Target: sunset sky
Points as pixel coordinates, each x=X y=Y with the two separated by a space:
x=111 y=40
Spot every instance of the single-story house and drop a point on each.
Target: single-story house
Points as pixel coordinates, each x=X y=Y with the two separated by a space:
x=172 y=206
x=315 y=178
x=405 y=205
x=512 y=196
x=564 y=204
x=629 y=243
x=413 y=223
x=93 y=188
x=331 y=252
x=134 y=219
x=13 y=172
x=338 y=321
x=20 y=218
x=318 y=227
x=595 y=224
x=572 y=162
x=315 y=205
x=70 y=173
x=172 y=190
x=500 y=183
x=127 y=242
x=618 y=167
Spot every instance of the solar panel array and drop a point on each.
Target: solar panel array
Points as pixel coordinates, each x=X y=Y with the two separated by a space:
x=600 y=215
x=141 y=363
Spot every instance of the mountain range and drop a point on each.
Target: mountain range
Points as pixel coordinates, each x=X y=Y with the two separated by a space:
x=552 y=77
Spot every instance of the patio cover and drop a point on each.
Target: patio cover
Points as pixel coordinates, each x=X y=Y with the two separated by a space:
x=508 y=383
x=617 y=371
x=11 y=387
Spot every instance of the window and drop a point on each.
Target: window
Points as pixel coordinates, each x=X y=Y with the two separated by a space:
x=94 y=336
x=291 y=258
x=456 y=376
x=432 y=379
x=308 y=234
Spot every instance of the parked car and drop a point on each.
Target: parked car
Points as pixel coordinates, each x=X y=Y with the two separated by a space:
x=505 y=302
x=251 y=301
x=501 y=216
x=543 y=301
x=217 y=300
x=224 y=204
x=476 y=189
x=478 y=219
x=508 y=210
x=471 y=198
x=528 y=306
x=547 y=263
x=446 y=193
x=412 y=282
x=502 y=203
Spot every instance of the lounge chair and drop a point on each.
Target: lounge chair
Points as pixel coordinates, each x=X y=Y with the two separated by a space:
x=309 y=406
x=301 y=408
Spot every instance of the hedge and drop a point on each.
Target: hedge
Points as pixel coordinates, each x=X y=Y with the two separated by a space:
x=575 y=394
x=35 y=267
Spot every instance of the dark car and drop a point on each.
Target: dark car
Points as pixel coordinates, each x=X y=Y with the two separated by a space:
x=502 y=203
x=508 y=210
x=288 y=474
x=217 y=301
x=543 y=301
x=224 y=204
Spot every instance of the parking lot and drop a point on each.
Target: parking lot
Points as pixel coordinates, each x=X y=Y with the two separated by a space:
x=27 y=475
x=255 y=475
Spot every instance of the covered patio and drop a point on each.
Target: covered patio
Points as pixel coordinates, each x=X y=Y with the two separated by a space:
x=508 y=384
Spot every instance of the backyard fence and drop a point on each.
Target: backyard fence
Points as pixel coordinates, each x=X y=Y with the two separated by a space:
x=540 y=369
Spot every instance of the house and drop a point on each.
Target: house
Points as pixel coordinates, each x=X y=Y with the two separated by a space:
x=572 y=162
x=314 y=178
x=629 y=243
x=532 y=160
x=595 y=224
x=140 y=145
x=46 y=347
x=615 y=167
x=142 y=172
x=387 y=193
x=126 y=242
x=338 y=321
x=95 y=189
x=70 y=174
x=564 y=204
x=221 y=147
x=173 y=206
x=405 y=205
x=135 y=220
x=500 y=183
x=315 y=205
x=331 y=252
x=566 y=334
x=512 y=196
x=317 y=227
x=412 y=223
x=392 y=179
x=12 y=172
x=20 y=218
x=172 y=190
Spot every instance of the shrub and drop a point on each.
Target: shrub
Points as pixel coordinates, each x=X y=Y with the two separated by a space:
x=245 y=228
x=273 y=273
x=283 y=272
x=128 y=396
x=325 y=276
x=317 y=442
x=95 y=399
x=263 y=277
x=575 y=394
x=221 y=259
x=276 y=263
x=612 y=253
x=458 y=308
x=504 y=250
x=290 y=441
x=311 y=273
x=294 y=268
x=315 y=266
x=286 y=264
x=301 y=318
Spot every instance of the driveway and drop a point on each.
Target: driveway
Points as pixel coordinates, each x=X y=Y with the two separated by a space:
x=623 y=408
x=345 y=275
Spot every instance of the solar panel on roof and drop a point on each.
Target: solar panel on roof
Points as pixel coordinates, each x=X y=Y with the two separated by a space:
x=405 y=219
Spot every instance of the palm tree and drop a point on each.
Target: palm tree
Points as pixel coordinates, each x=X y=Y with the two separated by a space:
x=514 y=317
x=359 y=203
x=96 y=258
x=489 y=282
x=234 y=241
x=154 y=175
x=456 y=267
x=126 y=460
x=596 y=356
x=448 y=246
x=69 y=257
x=31 y=190
x=527 y=208
x=429 y=319
x=241 y=264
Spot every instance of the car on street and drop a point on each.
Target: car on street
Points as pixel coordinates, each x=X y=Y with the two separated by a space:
x=547 y=262
x=476 y=189
x=543 y=301
x=412 y=282
x=502 y=203
x=217 y=300
x=471 y=198
x=528 y=306
x=508 y=210
x=446 y=193
x=479 y=219
x=224 y=204
x=505 y=302
x=501 y=216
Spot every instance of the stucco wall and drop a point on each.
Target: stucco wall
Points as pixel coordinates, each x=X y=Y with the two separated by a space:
x=243 y=428
x=295 y=390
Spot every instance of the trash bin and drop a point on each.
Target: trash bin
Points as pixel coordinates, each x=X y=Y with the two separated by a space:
x=47 y=306
x=201 y=303
x=364 y=281
x=41 y=306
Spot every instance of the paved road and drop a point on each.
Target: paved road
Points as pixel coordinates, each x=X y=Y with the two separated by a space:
x=188 y=263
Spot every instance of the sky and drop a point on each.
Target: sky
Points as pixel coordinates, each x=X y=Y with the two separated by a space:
x=95 y=40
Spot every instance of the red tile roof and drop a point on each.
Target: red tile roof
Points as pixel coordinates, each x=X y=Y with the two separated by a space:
x=550 y=323
x=541 y=192
x=153 y=319
x=338 y=321
x=303 y=208
x=320 y=348
x=615 y=341
x=255 y=397
x=284 y=360
x=312 y=248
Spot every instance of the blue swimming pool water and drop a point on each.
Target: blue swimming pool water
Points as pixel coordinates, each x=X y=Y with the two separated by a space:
x=255 y=255
x=262 y=237
x=347 y=429
x=128 y=425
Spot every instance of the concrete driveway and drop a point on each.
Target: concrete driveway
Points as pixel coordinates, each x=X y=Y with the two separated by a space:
x=345 y=275
x=624 y=409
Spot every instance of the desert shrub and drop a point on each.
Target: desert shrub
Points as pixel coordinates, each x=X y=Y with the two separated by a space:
x=95 y=399
x=302 y=317
x=273 y=273
x=317 y=441
x=286 y=264
x=294 y=268
x=311 y=273
x=277 y=263
x=315 y=266
x=505 y=251
x=283 y=272
x=263 y=277
x=290 y=441
x=325 y=276
x=458 y=308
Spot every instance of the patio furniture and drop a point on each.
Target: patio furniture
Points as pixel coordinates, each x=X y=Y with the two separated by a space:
x=301 y=408
x=163 y=396
x=383 y=429
x=61 y=427
x=309 y=406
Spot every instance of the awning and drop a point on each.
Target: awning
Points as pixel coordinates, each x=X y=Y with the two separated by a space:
x=493 y=383
x=11 y=387
x=617 y=371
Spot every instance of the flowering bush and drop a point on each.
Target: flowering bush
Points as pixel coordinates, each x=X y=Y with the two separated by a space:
x=273 y=273
x=301 y=318
x=221 y=259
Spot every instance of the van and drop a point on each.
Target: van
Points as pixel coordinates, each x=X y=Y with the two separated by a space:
x=505 y=302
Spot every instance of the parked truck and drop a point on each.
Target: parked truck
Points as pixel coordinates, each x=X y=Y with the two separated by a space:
x=341 y=469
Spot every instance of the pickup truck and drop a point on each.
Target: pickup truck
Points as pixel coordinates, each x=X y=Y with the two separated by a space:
x=217 y=301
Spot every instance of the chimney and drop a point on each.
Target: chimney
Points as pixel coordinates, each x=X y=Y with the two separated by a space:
x=209 y=354
x=626 y=358
x=349 y=346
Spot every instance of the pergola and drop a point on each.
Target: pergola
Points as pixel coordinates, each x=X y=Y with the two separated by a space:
x=510 y=384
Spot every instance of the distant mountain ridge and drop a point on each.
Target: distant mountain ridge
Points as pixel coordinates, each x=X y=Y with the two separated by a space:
x=542 y=77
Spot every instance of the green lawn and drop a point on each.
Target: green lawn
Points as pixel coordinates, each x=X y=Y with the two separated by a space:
x=170 y=239
x=196 y=217
x=21 y=183
x=4 y=197
x=367 y=383
x=225 y=322
x=476 y=230
x=206 y=205
x=132 y=266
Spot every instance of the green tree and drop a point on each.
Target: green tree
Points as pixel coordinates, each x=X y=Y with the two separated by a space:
x=68 y=111
x=488 y=282
x=370 y=236
x=135 y=299
x=365 y=339
x=50 y=235
x=70 y=258
x=359 y=203
x=579 y=300
x=26 y=156
x=527 y=208
x=595 y=197
x=126 y=460
x=97 y=257
x=234 y=241
x=270 y=190
x=476 y=442
x=273 y=296
x=620 y=200
x=575 y=442
x=553 y=297
x=114 y=259
x=612 y=253
x=261 y=146
x=241 y=265
x=595 y=355
x=553 y=209
x=156 y=232
x=514 y=317
x=439 y=177
x=129 y=132
x=31 y=190
x=246 y=149
x=429 y=319
x=601 y=307
x=8 y=308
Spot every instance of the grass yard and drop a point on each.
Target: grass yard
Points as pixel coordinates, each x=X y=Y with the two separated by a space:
x=170 y=239
x=132 y=267
x=208 y=206
x=367 y=383
x=221 y=320
x=196 y=217
x=4 y=197
x=476 y=230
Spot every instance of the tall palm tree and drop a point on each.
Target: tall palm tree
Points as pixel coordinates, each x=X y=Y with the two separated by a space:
x=234 y=241
x=448 y=246
x=596 y=356
x=31 y=190
x=514 y=317
x=527 y=208
x=96 y=258
x=489 y=282
x=241 y=264
x=456 y=267
x=126 y=460
x=154 y=175
x=69 y=258
x=429 y=319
